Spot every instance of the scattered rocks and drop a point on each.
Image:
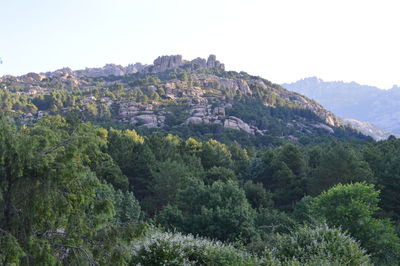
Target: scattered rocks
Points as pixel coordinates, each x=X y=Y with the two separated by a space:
x=32 y=78
x=110 y=70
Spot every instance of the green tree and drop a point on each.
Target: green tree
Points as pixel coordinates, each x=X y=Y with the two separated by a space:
x=215 y=153
x=167 y=179
x=134 y=157
x=384 y=159
x=339 y=163
x=257 y=196
x=219 y=173
x=240 y=158
x=48 y=194
x=219 y=211
x=352 y=207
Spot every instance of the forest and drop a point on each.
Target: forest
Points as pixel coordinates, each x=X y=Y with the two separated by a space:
x=77 y=193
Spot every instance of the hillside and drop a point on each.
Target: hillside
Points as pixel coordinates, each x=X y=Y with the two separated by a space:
x=177 y=162
x=352 y=100
x=196 y=97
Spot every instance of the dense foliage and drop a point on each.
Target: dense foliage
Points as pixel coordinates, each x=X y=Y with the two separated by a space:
x=76 y=193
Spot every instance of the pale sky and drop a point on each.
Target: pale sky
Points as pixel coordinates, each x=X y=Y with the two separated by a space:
x=280 y=40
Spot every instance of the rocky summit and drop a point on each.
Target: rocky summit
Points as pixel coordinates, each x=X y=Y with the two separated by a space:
x=172 y=93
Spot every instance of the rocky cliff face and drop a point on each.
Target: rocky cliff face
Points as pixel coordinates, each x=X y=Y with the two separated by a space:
x=164 y=63
x=212 y=62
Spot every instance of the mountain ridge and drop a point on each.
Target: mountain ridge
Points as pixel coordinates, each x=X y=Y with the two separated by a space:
x=352 y=100
x=176 y=92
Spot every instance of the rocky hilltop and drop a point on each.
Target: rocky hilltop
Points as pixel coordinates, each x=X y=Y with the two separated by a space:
x=173 y=92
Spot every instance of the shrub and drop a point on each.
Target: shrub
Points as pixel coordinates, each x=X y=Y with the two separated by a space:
x=158 y=248
x=320 y=245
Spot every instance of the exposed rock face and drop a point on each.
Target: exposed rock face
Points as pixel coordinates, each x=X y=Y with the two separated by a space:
x=325 y=127
x=110 y=70
x=236 y=123
x=163 y=63
x=64 y=75
x=234 y=85
x=148 y=120
x=194 y=120
x=216 y=115
x=212 y=62
x=369 y=129
x=313 y=106
x=131 y=113
x=32 y=78
x=199 y=63
x=133 y=68
x=219 y=111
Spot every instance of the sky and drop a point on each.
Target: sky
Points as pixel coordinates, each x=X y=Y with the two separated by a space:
x=280 y=40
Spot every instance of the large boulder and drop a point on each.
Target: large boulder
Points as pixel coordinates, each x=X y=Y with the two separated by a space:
x=236 y=123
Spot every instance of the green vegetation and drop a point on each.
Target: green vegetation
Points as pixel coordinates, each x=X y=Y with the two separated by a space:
x=110 y=171
x=75 y=193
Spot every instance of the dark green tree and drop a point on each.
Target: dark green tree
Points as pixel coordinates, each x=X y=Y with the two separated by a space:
x=220 y=211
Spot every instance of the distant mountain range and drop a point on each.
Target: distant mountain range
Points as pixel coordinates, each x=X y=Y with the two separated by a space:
x=378 y=107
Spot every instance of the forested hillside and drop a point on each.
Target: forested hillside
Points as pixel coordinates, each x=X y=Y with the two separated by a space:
x=184 y=163
x=75 y=193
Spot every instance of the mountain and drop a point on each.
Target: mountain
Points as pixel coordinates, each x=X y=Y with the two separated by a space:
x=186 y=97
x=369 y=129
x=352 y=100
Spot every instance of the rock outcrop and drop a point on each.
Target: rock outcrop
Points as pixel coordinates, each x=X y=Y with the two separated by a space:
x=216 y=115
x=110 y=70
x=150 y=120
x=369 y=129
x=325 y=127
x=163 y=63
x=212 y=62
x=32 y=78
x=236 y=123
x=233 y=85
x=198 y=63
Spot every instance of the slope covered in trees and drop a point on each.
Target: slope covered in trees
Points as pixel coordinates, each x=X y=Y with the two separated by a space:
x=184 y=163
x=76 y=193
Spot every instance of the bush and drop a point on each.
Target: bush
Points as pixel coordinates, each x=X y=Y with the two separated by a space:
x=327 y=246
x=158 y=248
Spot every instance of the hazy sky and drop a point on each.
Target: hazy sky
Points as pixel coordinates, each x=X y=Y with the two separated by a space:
x=281 y=40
